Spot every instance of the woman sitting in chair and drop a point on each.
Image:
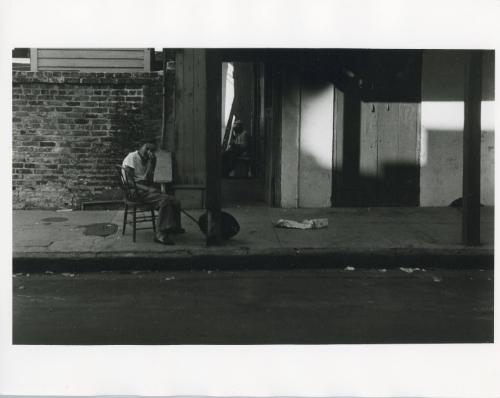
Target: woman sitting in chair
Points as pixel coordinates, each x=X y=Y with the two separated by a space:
x=139 y=167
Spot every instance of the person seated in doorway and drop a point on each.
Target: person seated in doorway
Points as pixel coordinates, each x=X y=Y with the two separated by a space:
x=238 y=145
x=139 y=166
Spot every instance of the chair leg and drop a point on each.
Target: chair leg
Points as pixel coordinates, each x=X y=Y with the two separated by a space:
x=134 y=222
x=153 y=219
x=125 y=219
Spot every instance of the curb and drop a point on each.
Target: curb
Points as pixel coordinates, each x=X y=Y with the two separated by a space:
x=246 y=259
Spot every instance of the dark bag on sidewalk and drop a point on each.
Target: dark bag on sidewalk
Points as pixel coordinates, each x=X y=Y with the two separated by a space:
x=229 y=225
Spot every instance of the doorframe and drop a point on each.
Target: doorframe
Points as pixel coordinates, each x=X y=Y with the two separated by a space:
x=269 y=120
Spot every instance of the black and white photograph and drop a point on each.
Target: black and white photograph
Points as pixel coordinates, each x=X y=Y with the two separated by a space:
x=200 y=199
x=252 y=196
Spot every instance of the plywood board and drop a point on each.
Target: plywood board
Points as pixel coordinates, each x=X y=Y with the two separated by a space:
x=90 y=62
x=179 y=115
x=290 y=139
x=91 y=53
x=315 y=145
x=199 y=117
x=90 y=70
x=163 y=169
x=397 y=154
x=188 y=115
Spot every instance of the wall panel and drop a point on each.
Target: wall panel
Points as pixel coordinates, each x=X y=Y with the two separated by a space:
x=190 y=118
x=91 y=59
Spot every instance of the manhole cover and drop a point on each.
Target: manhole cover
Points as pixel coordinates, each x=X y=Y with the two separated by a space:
x=54 y=219
x=101 y=229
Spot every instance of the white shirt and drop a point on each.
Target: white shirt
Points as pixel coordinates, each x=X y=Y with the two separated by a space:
x=134 y=161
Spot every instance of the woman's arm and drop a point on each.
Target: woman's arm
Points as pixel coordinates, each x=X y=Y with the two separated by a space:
x=150 y=168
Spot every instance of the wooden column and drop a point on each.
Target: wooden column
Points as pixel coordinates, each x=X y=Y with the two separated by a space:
x=213 y=145
x=163 y=143
x=472 y=150
x=34 y=59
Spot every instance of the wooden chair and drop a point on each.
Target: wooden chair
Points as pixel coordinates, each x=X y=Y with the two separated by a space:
x=132 y=201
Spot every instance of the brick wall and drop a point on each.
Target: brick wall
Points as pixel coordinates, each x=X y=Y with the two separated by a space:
x=70 y=128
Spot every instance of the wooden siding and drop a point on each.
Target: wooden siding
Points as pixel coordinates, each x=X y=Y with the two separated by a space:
x=190 y=117
x=375 y=152
x=315 y=142
x=290 y=138
x=91 y=59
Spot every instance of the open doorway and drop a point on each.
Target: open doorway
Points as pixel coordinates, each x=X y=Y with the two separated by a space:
x=242 y=133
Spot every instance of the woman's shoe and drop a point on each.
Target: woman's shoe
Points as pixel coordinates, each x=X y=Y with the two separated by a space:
x=164 y=241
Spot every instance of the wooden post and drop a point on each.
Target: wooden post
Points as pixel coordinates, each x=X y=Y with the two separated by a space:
x=34 y=59
x=213 y=144
x=472 y=150
x=163 y=143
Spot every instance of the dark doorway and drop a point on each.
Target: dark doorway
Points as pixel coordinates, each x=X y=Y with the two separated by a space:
x=242 y=133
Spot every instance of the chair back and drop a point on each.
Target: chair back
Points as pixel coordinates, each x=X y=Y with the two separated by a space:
x=127 y=185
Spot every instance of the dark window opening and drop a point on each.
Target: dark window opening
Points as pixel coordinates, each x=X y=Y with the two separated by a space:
x=240 y=118
x=21 y=59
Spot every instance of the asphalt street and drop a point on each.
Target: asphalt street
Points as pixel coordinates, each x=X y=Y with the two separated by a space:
x=337 y=306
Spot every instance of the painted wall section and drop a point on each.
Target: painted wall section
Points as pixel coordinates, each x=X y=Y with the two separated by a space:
x=441 y=155
x=290 y=131
x=91 y=59
x=188 y=141
x=306 y=142
x=316 y=142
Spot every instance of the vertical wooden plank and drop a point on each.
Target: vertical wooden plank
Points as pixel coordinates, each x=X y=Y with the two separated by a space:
x=418 y=127
x=388 y=148
x=147 y=60
x=187 y=138
x=200 y=98
x=338 y=142
x=408 y=132
x=170 y=82
x=179 y=116
x=276 y=136
x=224 y=118
x=368 y=154
x=315 y=142
x=354 y=124
x=408 y=156
x=261 y=144
x=268 y=132
x=34 y=59
x=290 y=133
x=472 y=149
x=213 y=152
x=163 y=143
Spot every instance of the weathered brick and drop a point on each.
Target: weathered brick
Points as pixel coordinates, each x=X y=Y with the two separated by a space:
x=53 y=117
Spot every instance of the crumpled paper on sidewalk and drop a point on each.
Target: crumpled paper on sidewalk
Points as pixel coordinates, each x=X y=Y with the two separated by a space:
x=315 y=223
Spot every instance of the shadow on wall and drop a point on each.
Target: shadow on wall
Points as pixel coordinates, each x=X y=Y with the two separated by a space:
x=443 y=74
x=442 y=163
x=394 y=185
x=377 y=115
x=376 y=151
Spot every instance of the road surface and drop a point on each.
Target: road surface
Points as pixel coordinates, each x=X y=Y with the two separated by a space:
x=342 y=306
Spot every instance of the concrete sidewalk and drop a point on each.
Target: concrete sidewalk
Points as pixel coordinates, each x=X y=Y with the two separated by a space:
x=363 y=237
